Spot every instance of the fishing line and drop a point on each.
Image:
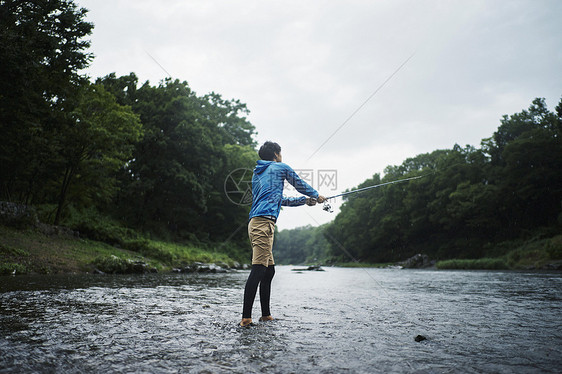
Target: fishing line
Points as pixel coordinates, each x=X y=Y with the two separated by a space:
x=161 y=67
x=360 y=106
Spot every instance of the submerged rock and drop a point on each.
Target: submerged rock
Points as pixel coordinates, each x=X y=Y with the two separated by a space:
x=310 y=268
x=420 y=338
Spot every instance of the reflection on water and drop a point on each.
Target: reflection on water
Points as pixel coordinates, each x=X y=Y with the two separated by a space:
x=340 y=320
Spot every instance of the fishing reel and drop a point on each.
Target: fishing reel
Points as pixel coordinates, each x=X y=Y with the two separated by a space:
x=327 y=207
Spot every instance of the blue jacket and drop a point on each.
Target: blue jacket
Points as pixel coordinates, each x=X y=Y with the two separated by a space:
x=267 y=188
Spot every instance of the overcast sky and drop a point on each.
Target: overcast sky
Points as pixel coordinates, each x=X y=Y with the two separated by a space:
x=304 y=67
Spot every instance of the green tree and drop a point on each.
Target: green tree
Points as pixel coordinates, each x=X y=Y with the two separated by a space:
x=41 y=49
x=175 y=181
x=97 y=142
x=227 y=213
x=529 y=180
x=469 y=198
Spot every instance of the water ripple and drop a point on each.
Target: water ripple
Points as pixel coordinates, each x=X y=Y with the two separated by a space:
x=340 y=320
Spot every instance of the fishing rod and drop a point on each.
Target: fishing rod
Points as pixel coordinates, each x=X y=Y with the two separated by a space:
x=328 y=208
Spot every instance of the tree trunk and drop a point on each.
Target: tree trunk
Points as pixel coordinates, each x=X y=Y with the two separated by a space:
x=64 y=189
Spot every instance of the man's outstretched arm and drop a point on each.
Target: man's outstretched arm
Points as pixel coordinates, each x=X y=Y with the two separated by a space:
x=302 y=187
x=294 y=201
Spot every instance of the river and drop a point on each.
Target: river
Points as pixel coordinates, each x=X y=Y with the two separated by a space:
x=337 y=321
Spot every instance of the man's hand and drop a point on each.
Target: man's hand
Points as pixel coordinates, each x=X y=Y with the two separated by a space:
x=310 y=201
x=321 y=199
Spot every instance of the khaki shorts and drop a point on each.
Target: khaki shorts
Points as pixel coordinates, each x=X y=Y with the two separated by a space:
x=260 y=231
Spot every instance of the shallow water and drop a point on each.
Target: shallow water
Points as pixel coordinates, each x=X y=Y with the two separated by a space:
x=340 y=320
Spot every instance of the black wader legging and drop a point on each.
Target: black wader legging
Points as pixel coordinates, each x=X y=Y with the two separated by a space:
x=261 y=275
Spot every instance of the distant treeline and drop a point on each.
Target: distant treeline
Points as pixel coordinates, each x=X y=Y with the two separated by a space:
x=468 y=202
x=112 y=153
x=305 y=244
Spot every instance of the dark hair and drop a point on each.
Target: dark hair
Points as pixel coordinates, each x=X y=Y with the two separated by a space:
x=268 y=150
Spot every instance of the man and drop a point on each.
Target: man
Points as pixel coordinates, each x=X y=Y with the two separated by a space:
x=267 y=198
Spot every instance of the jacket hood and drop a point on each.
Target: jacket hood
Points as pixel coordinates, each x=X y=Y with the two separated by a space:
x=261 y=166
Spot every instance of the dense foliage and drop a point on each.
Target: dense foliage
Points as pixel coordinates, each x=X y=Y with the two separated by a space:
x=111 y=154
x=174 y=182
x=41 y=51
x=468 y=201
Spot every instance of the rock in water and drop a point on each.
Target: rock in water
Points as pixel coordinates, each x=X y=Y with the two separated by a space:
x=420 y=338
x=310 y=268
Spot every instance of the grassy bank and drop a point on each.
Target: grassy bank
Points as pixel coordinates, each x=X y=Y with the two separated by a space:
x=543 y=253
x=30 y=251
